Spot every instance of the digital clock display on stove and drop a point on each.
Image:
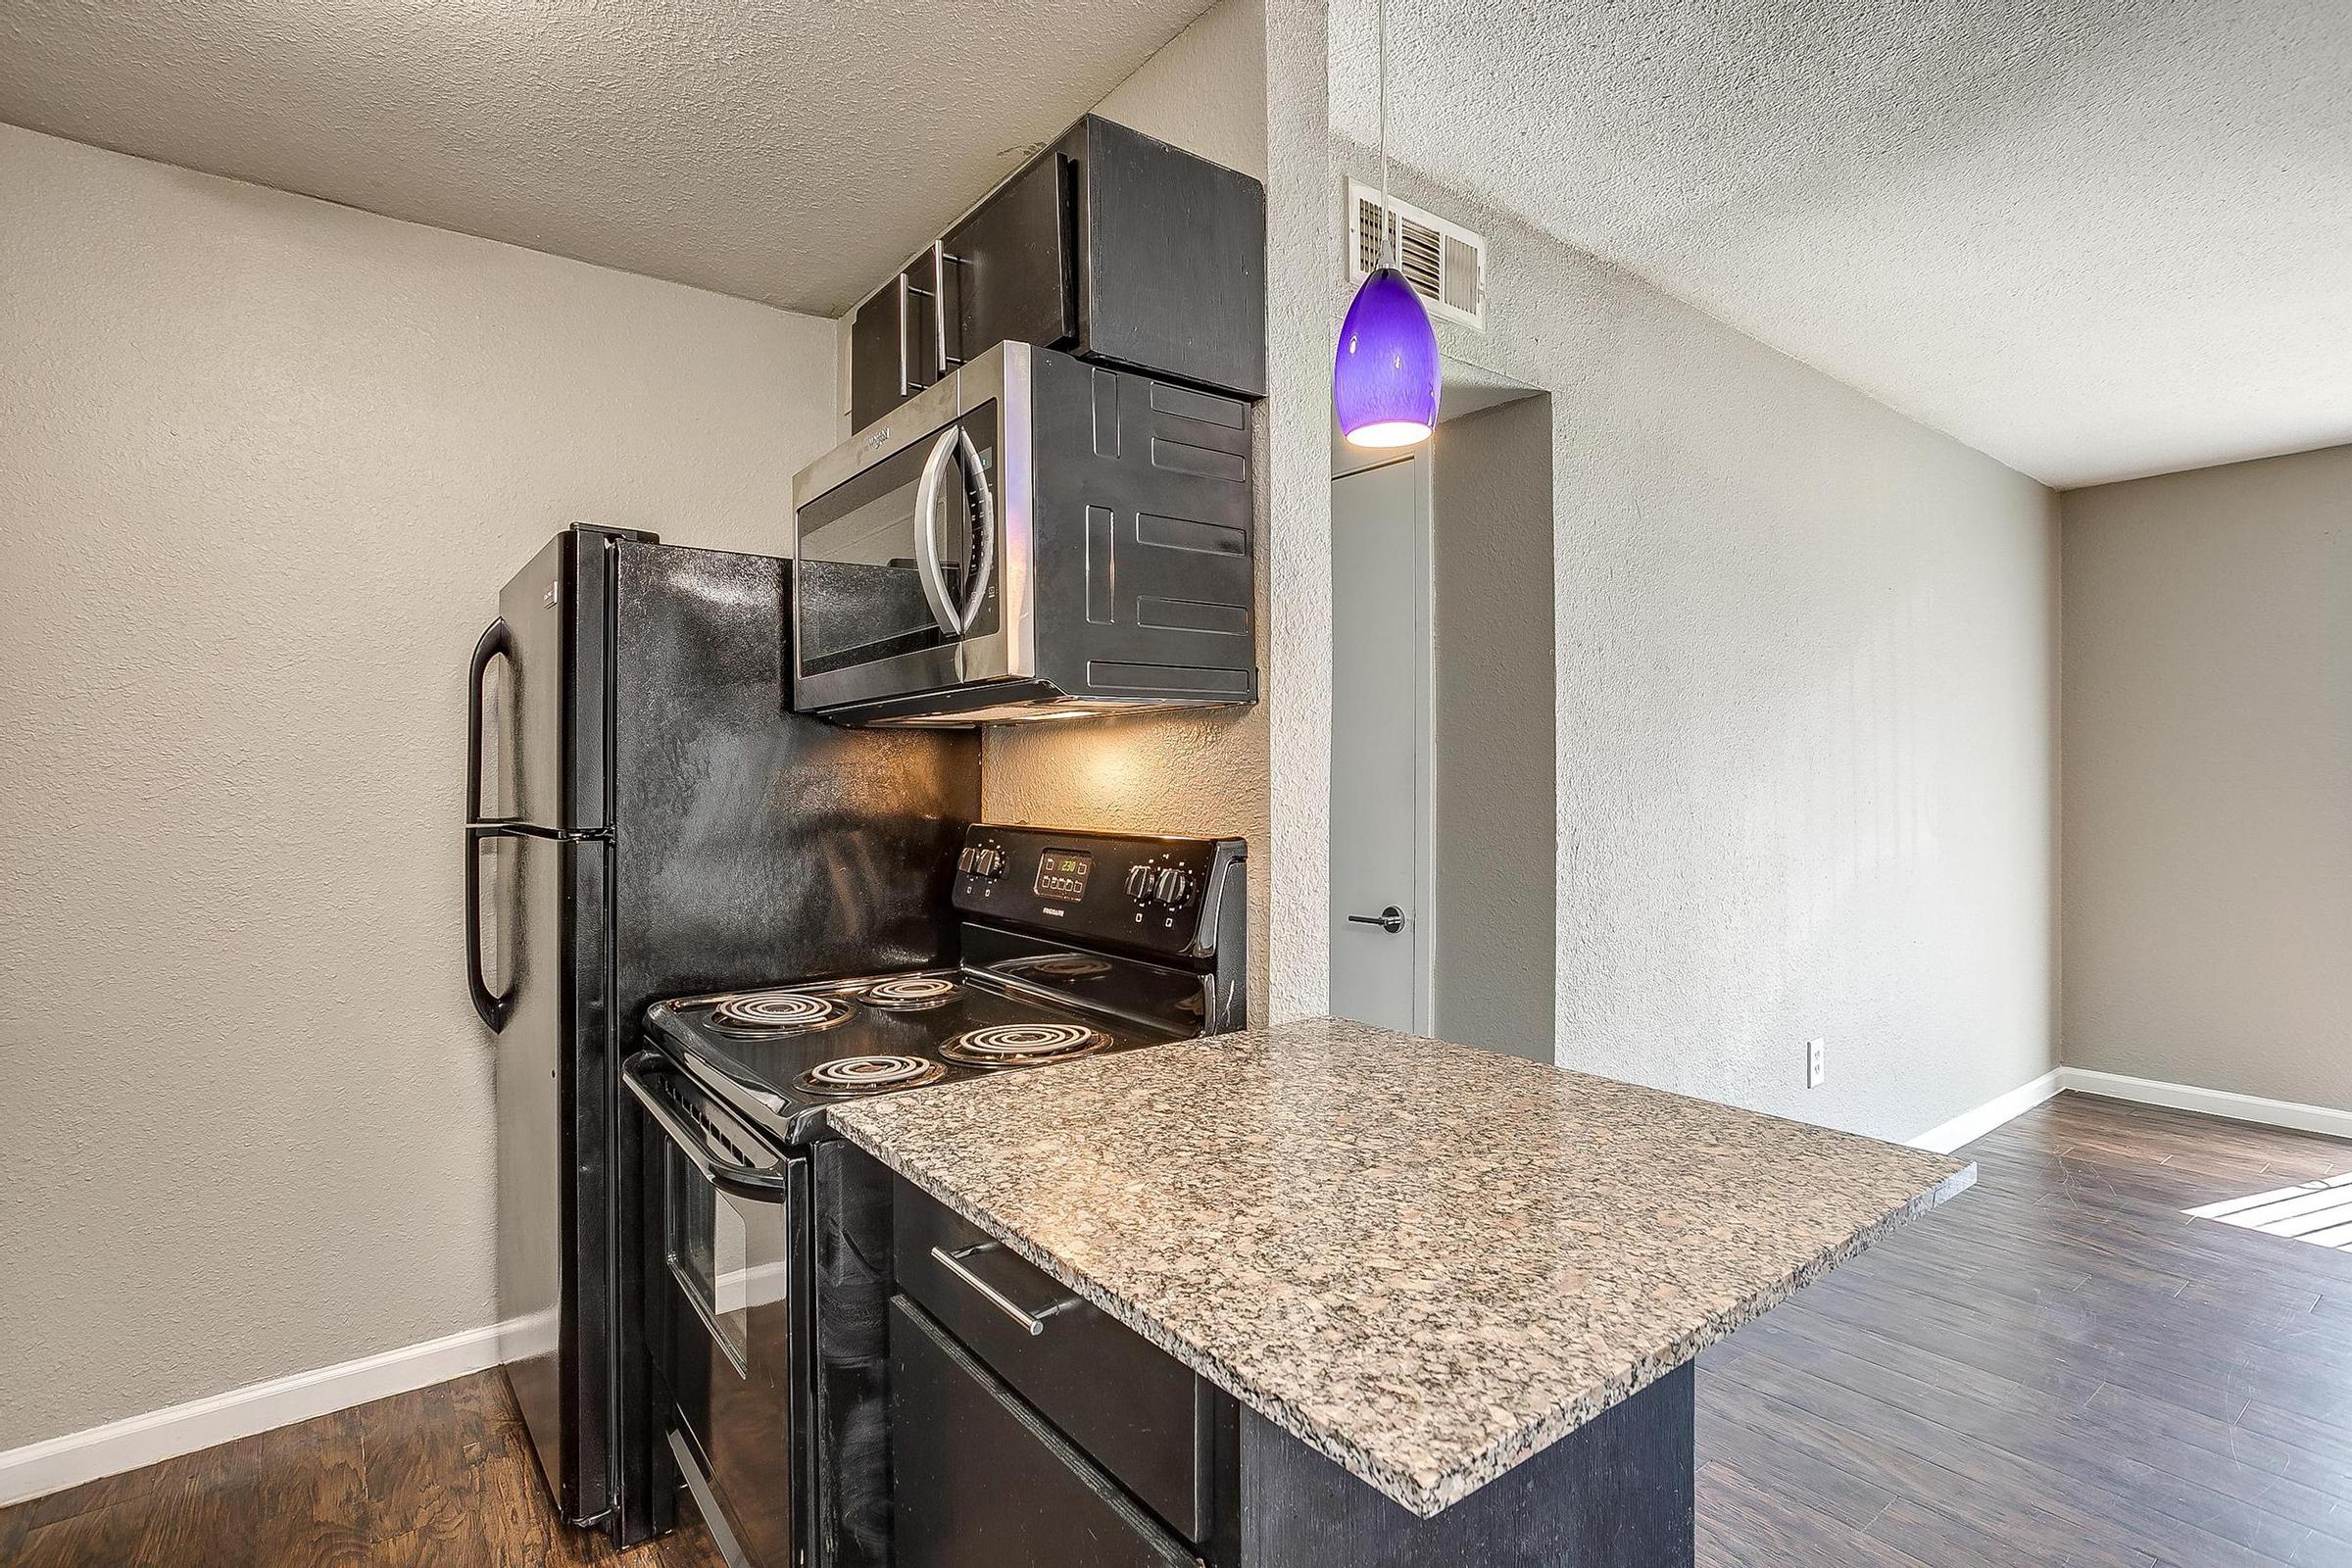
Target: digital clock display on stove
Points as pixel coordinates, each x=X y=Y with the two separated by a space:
x=1062 y=873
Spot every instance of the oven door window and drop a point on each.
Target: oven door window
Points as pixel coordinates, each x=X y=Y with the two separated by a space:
x=743 y=1274
x=861 y=591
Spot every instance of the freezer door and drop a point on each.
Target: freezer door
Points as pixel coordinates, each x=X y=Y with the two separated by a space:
x=552 y=703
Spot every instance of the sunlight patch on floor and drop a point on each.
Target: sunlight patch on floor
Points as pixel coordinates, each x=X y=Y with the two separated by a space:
x=2320 y=1212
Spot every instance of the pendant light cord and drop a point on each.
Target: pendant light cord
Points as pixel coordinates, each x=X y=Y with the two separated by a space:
x=1389 y=253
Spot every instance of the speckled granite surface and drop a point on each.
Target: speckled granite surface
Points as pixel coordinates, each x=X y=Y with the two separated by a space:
x=1427 y=1261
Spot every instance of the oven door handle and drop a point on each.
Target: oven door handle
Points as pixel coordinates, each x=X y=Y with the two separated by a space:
x=720 y=1166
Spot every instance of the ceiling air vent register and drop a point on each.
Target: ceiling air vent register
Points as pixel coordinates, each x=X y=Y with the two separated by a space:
x=1445 y=262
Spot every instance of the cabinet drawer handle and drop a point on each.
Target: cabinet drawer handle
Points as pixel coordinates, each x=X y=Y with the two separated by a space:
x=952 y=1262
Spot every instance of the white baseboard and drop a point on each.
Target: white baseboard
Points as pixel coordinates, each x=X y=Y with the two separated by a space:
x=52 y=1466
x=1971 y=1125
x=2211 y=1101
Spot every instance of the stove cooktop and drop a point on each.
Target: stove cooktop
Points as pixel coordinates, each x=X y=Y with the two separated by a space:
x=794 y=1050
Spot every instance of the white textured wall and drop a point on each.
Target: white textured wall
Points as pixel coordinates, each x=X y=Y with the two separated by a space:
x=265 y=462
x=1216 y=772
x=2208 y=778
x=1494 y=756
x=1805 y=669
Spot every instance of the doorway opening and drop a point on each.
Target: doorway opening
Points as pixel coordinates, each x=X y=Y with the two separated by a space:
x=1443 y=795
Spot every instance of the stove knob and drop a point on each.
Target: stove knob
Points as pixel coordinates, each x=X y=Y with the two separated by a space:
x=988 y=862
x=1173 y=887
x=1139 y=883
x=963 y=861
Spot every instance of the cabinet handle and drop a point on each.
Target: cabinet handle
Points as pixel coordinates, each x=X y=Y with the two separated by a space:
x=906 y=382
x=952 y=1262
x=939 y=304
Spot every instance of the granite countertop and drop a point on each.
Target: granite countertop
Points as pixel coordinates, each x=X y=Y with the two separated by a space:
x=1424 y=1260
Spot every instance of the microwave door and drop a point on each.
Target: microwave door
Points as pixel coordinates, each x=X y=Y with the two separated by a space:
x=898 y=561
x=864 y=547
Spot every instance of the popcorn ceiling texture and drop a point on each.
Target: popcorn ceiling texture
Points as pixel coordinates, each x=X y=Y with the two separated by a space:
x=268 y=462
x=792 y=155
x=2092 y=239
x=1427 y=1286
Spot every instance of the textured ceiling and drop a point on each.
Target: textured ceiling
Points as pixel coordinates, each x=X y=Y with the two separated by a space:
x=788 y=153
x=2092 y=239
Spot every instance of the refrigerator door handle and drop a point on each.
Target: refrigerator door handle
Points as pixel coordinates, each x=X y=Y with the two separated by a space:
x=497 y=641
x=494 y=1007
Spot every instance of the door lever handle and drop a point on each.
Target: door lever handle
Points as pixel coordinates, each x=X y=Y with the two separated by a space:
x=1390 y=919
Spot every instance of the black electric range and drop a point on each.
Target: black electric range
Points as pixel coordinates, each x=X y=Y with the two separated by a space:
x=765 y=1297
x=1073 y=945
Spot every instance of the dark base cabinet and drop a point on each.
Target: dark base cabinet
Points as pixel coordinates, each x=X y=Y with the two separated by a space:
x=982 y=1478
x=1616 y=1493
x=1030 y=1431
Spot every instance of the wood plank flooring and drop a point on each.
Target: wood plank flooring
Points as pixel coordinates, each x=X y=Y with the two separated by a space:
x=443 y=1476
x=2061 y=1368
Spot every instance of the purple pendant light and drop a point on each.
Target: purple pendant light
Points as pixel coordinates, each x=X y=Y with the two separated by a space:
x=1383 y=383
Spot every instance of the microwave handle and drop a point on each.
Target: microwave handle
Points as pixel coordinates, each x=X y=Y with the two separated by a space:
x=926 y=532
x=984 y=509
x=954 y=446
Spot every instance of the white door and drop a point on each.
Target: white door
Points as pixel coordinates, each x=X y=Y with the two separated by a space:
x=1380 y=721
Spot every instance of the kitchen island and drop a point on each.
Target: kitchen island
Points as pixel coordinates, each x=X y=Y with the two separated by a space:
x=1414 y=1268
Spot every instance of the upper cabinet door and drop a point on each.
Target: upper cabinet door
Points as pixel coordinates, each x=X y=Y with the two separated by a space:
x=897 y=345
x=878 y=365
x=1009 y=277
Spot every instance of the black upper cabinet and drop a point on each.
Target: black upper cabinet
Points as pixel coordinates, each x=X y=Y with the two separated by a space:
x=895 y=344
x=1008 y=264
x=1108 y=245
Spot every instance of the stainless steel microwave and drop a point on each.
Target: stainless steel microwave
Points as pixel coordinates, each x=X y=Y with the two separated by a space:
x=1032 y=537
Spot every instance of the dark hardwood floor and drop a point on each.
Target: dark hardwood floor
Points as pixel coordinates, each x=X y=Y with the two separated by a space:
x=441 y=1477
x=2061 y=1368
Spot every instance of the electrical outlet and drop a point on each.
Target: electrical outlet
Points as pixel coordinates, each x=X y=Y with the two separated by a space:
x=1817 y=1065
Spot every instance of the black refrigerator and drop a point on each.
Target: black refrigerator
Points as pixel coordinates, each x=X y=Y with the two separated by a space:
x=646 y=817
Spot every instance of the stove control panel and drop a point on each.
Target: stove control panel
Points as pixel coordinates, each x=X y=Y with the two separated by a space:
x=1162 y=895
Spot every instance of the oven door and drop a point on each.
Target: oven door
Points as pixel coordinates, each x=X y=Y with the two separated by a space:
x=729 y=1323
x=907 y=574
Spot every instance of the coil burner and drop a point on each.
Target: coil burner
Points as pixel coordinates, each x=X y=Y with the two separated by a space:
x=1063 y=968
x=868 y=1075
x=1023 y=1044
x=778 y=1012
x=911 y=993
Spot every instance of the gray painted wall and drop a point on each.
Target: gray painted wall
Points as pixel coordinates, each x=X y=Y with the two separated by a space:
x=1804 y=677
x=2208 y=778
x=268 y=462
x=1493 y=759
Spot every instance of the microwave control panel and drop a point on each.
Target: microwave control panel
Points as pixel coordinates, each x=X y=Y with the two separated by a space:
x=1160 y=894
